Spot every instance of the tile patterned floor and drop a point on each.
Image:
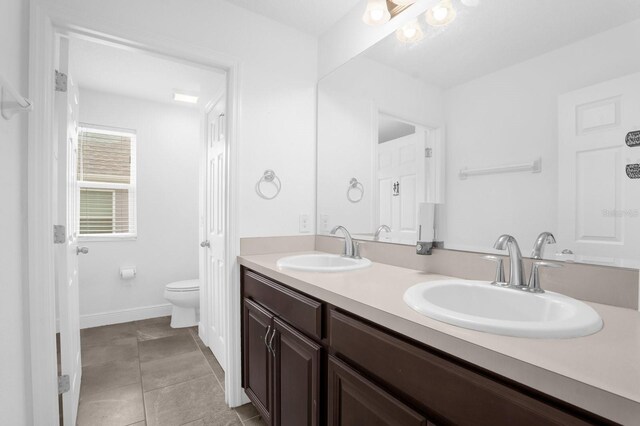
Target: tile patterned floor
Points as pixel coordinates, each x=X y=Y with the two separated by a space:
x=147 y=373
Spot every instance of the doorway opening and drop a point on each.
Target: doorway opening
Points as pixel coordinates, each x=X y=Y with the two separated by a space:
x=141 y=175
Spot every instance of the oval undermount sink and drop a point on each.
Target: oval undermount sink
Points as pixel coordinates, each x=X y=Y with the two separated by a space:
x=322 y=263
x=478 y=305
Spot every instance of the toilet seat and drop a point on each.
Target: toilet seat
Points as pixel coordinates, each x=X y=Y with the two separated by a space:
x=186 y=285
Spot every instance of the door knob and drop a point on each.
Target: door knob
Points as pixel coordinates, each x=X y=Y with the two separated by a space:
x=83 y=250
x=205 y=244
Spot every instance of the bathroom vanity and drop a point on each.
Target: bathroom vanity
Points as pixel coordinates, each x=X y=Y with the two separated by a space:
x=465 y=139
x=343 y=349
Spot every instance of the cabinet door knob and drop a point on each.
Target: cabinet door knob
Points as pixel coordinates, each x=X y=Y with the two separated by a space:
x=205 y=243
x=82 y=250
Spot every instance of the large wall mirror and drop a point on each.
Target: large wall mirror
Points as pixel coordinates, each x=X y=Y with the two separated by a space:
x=515 y=118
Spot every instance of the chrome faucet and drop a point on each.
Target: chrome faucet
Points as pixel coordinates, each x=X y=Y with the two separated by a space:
x=542 y=240
x=516 y=272
x=350 y=246
x=381 y=228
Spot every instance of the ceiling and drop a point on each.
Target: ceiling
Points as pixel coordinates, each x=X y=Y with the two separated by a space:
x=140 y=75
x=497 y=34
x=311 y=16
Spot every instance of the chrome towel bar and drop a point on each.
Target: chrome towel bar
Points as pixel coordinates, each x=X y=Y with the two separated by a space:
x=533 y=167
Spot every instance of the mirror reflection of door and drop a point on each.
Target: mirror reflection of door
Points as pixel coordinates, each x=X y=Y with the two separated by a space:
x=598 y=205
x=400 y=177
x=408 y=174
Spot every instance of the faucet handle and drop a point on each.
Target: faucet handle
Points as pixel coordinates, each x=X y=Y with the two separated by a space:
x=534 y=279
x=499 y=279
x=356 y=250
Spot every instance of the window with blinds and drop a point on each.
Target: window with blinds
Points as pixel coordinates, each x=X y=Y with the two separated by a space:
x=106 y=182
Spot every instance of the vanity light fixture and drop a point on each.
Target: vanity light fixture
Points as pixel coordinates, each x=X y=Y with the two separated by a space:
x=376 y=13
x=410 y=32
x=183 y=97
x=441 y=14
x=470 y=3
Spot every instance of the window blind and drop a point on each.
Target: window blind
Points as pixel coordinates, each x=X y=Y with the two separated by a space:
x=106 y=182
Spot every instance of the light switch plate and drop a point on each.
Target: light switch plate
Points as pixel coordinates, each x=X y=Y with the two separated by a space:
x=305 y=226
x=324 y=223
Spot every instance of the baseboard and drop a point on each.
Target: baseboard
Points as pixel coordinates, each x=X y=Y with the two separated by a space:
x=124 y=315
x=202 y=334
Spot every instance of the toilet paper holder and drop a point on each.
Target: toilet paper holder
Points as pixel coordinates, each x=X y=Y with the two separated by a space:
x=127 y=273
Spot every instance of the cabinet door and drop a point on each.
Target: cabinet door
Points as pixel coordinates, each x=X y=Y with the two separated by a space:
x=296 y=378
x=355 y=401
x=256 y=357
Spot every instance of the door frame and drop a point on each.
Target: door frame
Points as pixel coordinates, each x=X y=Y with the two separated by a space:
x=47 y=22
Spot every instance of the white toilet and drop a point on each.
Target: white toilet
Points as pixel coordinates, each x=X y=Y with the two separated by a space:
x=185 y=298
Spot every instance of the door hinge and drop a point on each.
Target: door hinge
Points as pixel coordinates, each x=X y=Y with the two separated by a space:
x=59 y=234
x=428 y=152
x=61 y=81
x=64 y=384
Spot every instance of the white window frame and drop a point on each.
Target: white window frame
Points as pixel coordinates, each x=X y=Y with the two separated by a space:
x=131 y=187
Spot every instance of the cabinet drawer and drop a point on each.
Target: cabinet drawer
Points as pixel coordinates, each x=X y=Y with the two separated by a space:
x=355 y=401
x=446 y=390
x=302 y=312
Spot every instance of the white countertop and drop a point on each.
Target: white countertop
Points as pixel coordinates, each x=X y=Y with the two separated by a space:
x=600 y=373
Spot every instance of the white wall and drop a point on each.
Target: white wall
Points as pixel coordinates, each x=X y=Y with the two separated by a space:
x=166 y=249
x=348 y=100
x=510 y=116
x=14 y=356
x=278 y=102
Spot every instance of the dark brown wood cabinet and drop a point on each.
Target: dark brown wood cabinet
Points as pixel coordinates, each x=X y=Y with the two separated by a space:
x=355 y=401
x=281 y=365
x=304 y=312
x=296 y=377
x=448 y=391
x=307 y=363
x=257 y=363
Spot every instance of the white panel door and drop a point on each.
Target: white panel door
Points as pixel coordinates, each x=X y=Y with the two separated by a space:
x=598 y=204
x=401 y=185
x=215 y=201
x=66 y=110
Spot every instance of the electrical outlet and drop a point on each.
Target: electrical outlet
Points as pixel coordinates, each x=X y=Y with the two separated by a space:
x=324 y=223
x=305 y=226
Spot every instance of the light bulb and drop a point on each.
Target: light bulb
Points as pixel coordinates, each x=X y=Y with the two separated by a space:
x=441 y=14
x=410 y=32
x=376 y=12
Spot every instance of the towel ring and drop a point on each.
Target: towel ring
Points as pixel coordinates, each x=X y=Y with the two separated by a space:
x=354 y=184
x=269 y=176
